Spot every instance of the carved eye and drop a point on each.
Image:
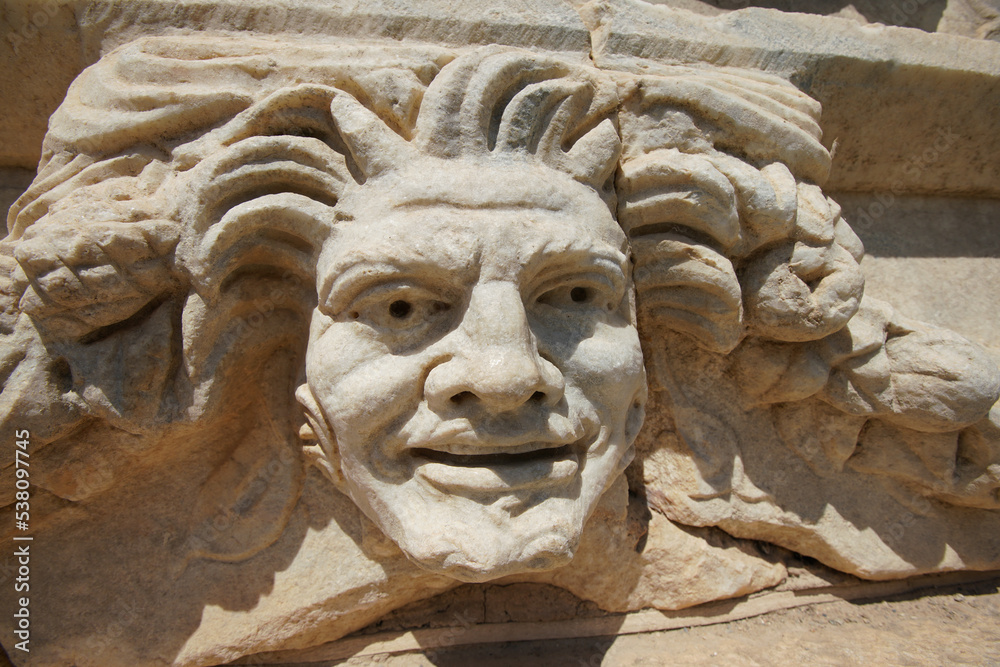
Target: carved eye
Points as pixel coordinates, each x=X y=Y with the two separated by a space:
x=576 y=297
x=398 y=309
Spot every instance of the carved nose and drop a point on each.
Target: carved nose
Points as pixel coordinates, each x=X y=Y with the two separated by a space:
x=497 y=364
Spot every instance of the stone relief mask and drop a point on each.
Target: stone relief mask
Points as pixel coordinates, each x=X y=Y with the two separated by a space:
x=473 y=370
x=435 y=253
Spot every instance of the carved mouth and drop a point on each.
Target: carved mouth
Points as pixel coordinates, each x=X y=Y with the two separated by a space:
x=474 y=460
x=494 y=471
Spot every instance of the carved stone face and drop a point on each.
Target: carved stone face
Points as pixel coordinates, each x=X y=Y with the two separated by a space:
x=475 y=355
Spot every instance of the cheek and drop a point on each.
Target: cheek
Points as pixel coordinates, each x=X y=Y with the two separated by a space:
x=608 y=368
x=361 y=386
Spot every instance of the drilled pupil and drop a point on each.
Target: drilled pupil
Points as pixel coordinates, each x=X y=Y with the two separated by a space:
x=400 y=309
x=578 y=294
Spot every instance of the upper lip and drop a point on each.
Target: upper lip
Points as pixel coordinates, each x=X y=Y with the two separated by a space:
x=466 y=442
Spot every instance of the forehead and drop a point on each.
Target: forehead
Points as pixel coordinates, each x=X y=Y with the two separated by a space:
x=501 y=182
x=448 y=214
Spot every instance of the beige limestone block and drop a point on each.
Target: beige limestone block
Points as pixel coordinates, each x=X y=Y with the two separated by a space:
x=307 y=328
x=45 y=44
x=40 y=43
x=934 y=258
x=887 y=134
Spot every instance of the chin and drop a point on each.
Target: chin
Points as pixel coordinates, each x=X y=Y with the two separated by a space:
x=473 y=543
x=467 y=568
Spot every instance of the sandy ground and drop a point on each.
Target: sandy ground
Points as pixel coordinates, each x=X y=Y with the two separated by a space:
x=958 y=625
x=948 y=625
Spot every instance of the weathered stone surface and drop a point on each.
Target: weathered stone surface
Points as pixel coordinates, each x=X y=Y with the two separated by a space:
x=888 y=137
x=45 y=44
x=305 y=328
x=968 y=18
x=936 y=259
x=972 y=18
x=908 y=86
x=794 y=472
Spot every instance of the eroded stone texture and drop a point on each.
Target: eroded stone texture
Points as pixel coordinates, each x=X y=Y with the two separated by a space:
x=310 y=329
x=969 y=18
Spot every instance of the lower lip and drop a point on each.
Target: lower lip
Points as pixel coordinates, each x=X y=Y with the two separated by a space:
x=498 y=472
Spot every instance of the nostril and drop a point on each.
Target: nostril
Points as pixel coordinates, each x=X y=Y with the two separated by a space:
x=461 y=397
x=538 y=397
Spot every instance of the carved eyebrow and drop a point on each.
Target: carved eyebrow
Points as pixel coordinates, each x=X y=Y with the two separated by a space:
x=341 y=283
x=578 y=258
x=346 y=282
x=576 y=249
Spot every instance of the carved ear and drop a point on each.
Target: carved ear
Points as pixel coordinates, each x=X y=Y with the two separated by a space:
x=246 y=502
x=325 y=454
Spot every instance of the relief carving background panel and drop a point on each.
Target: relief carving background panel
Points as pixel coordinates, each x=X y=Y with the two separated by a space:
x=285 y=459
